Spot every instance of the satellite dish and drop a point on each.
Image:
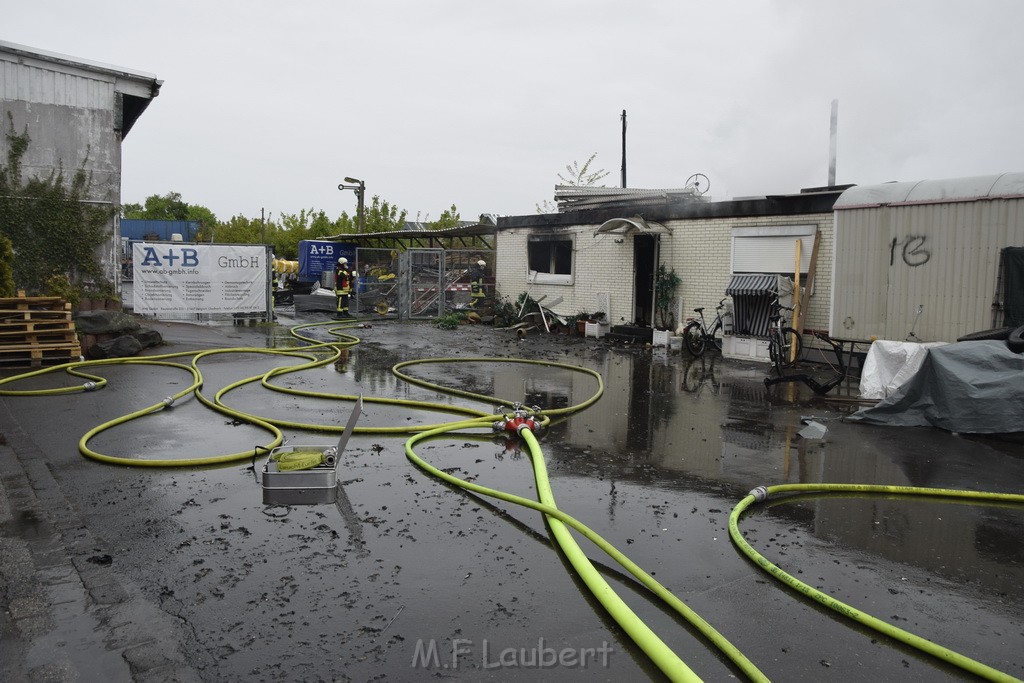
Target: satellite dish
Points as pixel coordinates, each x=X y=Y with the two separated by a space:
x=699 y=183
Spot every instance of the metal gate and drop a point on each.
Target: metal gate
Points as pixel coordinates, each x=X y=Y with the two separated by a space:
x=376 y=283
x=420 y=283
x=426 y=282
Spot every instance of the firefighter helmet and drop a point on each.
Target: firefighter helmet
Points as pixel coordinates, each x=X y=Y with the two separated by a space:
x=342 y=261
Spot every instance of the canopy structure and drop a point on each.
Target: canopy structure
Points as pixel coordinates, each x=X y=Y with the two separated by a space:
x=624 y=226
x=753 y=285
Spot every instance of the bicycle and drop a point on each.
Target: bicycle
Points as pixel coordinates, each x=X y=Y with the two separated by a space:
x=698 y=336
x=699 y=373
x=784 y=343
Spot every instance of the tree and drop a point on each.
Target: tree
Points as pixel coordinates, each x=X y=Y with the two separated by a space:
x=171 y=207
x=381 y=216
x=449 y=219
x=578 y=176
x=582 y=176
x=240 y=230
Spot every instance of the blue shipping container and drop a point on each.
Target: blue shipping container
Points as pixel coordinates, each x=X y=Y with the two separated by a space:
x=318 y=256
x=139 y=229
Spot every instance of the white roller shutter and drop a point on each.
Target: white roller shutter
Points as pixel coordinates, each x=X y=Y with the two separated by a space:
x=771 y=249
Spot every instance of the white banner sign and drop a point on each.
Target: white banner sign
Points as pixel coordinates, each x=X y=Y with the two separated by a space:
x=175 y=279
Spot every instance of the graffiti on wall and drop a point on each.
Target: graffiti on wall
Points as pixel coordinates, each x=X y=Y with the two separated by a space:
x=911 y=250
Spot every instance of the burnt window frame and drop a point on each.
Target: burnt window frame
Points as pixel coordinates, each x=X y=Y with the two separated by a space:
x=555 y=254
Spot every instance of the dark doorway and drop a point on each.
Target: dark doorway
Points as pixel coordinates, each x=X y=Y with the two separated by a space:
x=1013 y=286
x=645 y=258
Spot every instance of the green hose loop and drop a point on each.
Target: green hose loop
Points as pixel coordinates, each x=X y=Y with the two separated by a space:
x=922 y=644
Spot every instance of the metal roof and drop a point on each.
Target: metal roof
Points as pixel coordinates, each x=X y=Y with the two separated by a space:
x=574 y=198
x=137 y=88
x=475 y=230
x=1001 y=186
x=476 y=236
x=68 y=60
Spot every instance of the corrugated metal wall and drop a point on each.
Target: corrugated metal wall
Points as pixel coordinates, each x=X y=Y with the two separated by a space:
x=41 y=85
x=941 y=256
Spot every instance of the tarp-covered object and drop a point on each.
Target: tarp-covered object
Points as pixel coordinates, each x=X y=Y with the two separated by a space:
x=889 y=364
x=970 y=387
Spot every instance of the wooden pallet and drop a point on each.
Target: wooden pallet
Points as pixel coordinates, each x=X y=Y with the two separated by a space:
x=8 y=339
x=18 y=316
x=34 y=303
x=39 y=356
x=36 y=331
x=15 y=327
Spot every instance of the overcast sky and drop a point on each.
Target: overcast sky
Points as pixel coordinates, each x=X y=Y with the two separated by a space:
x=481 y=104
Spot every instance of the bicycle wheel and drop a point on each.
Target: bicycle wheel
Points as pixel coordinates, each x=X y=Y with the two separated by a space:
x=694 y=338
x=790 y=347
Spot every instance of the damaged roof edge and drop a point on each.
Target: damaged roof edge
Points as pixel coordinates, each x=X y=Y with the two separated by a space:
x=790 y=204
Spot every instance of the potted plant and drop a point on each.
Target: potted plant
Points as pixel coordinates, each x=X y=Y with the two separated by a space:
x=666 y=282
x=581 y=319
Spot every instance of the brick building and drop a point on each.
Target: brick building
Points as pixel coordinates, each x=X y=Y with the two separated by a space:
x=610 y=255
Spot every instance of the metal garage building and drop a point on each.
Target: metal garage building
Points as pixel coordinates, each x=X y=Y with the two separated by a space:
x=76 y=113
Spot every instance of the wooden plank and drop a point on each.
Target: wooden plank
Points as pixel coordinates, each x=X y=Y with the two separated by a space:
x=24 y=326
x=39 y=357
x=35 y=338
x=49 y=346
x=15 y=314
x=805 y=301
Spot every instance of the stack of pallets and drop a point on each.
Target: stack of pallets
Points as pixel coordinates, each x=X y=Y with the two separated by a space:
x=36 y=331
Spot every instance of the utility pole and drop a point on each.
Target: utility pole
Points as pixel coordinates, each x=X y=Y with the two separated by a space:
x=833 y=125
x=263 y=225
x=623 y=148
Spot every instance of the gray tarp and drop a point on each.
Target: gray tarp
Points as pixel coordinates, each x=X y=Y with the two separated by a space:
x=970 y=387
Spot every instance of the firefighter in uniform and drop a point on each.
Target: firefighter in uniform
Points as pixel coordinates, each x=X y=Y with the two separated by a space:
x=274 y=282
x=476 y=283
x=343 y=287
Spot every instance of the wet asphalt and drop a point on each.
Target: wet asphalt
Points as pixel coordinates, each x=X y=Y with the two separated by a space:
x=403 y=578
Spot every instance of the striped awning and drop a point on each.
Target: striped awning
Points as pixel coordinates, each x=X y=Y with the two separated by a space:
x=753 y=284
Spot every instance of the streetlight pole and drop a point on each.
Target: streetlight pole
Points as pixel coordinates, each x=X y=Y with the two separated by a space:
x=359 y=187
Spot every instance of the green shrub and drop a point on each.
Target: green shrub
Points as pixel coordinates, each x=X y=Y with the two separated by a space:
x=57 y=230
x=6 y=267
x=449 y=321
